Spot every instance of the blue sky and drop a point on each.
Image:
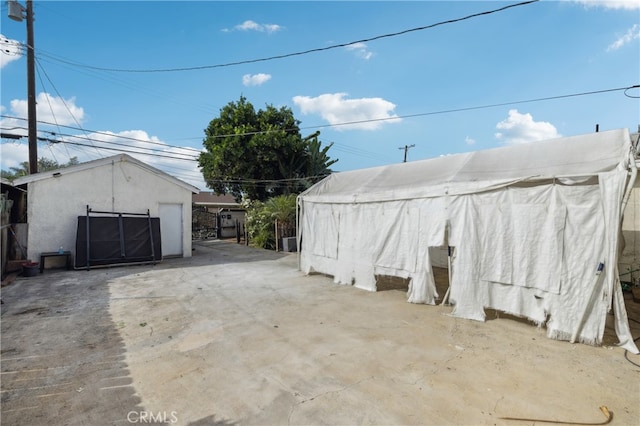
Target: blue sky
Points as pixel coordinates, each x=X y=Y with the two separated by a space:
x=424 y=87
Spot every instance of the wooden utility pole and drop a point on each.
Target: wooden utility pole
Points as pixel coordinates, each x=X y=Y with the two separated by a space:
x=19 y=13
x=31 y=93
x=406 y=148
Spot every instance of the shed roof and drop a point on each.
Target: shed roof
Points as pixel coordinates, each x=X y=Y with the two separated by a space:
x=120 y=158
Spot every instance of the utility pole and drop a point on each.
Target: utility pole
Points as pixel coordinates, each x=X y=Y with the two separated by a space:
x=31 y=93
x=406 y=148
x=16 y=11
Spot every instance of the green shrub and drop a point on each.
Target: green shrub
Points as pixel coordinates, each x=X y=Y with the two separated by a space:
x=261 y=218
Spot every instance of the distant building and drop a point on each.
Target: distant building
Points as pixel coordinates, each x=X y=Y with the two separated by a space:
x=216 y=216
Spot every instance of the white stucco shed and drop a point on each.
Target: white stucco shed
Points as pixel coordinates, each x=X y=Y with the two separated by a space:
x=120 y=183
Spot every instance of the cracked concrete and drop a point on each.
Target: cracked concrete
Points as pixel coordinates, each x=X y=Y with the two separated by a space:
x=235 y=335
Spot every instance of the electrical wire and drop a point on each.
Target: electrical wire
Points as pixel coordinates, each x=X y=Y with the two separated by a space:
x=153 y=150
x=171 y=155
x=358 y=152
x=63 y=101
x=154 y=153
x=350 y=150
x=115 y=149
x=247 y=180
x=15 y=48
x=131 y=86
x=438 y=112
x=630 y=96
x=111 y=134
x=304 y=52
x=339 y=147
x=51 y=109
x=448 y=111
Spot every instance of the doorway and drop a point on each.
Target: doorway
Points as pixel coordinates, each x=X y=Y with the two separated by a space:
x=171 y=229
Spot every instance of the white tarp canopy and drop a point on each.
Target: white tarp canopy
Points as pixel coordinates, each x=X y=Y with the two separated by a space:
x=534 y=228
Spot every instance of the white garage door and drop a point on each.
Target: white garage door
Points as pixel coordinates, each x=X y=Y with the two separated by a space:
x=171 y=229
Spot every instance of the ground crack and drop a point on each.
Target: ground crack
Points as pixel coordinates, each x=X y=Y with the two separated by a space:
x=320 y=395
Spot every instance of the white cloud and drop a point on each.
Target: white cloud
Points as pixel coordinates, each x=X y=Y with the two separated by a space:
x=255 y=79
x=51 y=109
x=176 y=161
x=364 y=113
x=272 y=28
x=360 y=50
x=611 y=4
x=469 y=141
x=632 y=33
x=521 y=128
x=10 y=50
x=13 y=154
x=250 y=25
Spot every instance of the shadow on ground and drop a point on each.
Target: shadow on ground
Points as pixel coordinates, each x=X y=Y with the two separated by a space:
x=63 y=360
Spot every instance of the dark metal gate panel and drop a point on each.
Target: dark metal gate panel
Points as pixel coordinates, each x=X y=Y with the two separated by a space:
x=118 y=238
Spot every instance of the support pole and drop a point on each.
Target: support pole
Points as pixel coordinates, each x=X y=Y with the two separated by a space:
x=31 y=93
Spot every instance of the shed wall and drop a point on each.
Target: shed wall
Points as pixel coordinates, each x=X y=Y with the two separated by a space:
x=54 y=204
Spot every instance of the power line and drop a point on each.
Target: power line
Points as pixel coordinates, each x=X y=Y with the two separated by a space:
x=238 y=181
x=120 y=144
x=357 y=152
x=96 y=132
x=51 y=107
x=113 y=143
x=155 y=153
x=229 y=181
x=15 y=48
x=173 y=157
x=304 y=52
x=63 y=102
x=371 y=120
x=448 y=111
x=136 y=87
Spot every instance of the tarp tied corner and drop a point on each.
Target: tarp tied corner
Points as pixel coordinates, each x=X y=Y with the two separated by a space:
x=535 y=229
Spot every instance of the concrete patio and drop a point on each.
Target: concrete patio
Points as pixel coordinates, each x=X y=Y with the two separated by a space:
x=235 y=335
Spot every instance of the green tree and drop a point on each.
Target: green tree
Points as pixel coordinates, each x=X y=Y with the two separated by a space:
x=262 y=216
x=44 y=165
x=257 y=154
x=282 y=208
x=318 y=162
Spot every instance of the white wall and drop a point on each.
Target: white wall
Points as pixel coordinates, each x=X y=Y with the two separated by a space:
x=228 y=226
x=54 y=204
